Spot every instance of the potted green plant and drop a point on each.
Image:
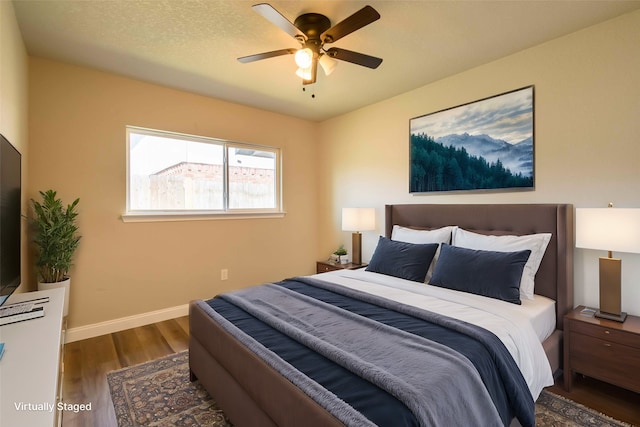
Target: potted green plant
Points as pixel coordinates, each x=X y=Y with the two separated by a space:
x=56 y=239
x=341 y=253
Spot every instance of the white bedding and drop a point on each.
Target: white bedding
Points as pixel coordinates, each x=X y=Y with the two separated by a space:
x=509 y=322
x=541 y=312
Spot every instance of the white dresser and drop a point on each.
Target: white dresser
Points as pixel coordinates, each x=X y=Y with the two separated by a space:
x=30 y=380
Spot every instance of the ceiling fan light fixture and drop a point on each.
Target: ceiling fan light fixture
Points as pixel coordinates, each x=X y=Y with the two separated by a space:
x=328 y=64
x=304 y=57
x=304 y=73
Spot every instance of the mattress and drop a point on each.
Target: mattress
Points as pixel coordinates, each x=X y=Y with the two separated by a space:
x=541 y=312
x=519 y=327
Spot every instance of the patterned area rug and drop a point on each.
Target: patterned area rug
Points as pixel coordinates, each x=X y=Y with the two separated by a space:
x=159 y=393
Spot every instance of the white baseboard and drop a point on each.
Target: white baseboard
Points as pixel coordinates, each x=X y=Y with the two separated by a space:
x=110 y=326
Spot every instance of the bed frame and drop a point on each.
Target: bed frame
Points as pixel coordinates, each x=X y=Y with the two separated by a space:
x=251 y=393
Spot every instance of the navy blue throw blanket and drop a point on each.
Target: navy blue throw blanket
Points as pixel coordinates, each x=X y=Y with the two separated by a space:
x=501 y=377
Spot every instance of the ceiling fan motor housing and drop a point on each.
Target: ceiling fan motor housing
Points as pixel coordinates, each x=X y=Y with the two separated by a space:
x=313 y=25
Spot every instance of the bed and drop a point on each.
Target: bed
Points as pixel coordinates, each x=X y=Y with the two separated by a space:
x=254 y=393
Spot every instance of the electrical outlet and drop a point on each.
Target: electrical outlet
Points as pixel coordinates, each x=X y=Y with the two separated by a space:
x=224 y=274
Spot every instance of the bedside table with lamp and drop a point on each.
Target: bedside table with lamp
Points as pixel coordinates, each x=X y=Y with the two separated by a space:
x=355 y=220
x=604 y=343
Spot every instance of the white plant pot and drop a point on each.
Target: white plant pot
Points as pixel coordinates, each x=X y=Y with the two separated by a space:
x=64 y=284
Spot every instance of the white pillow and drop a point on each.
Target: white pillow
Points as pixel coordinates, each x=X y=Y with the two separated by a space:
x=411 y=235
x=536 y=243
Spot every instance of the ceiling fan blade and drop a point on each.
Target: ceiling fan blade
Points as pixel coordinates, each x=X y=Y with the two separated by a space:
x=354 y=57
x=276 y=18
x=265 y=55
x=364 y=16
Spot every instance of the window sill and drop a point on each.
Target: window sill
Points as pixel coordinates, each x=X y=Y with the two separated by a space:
x=167 y=217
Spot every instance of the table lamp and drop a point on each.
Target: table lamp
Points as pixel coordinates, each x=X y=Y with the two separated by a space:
x=357 y=220
x=610 y=229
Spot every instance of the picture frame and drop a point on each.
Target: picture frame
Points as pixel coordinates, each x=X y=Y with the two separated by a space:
x=483 y=145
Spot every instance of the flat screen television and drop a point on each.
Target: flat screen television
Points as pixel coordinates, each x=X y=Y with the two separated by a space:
x=10 y=190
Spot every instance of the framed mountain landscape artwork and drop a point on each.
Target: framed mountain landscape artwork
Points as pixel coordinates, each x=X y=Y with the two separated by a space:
x=483 y=145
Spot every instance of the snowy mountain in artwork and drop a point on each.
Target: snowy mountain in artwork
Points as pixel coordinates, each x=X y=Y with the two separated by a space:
x=518 y=158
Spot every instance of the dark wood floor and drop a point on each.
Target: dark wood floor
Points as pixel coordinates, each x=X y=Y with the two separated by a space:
x=87 y=363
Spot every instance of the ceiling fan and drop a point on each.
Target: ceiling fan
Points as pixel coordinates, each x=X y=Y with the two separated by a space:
x=313 y=31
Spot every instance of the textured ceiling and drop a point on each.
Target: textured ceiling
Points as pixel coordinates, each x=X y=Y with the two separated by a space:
x=193 y=44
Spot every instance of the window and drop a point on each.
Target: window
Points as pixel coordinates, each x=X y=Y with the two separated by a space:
x=171 y=174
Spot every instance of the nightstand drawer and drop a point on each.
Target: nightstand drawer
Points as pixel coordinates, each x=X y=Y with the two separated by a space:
x=605 y=360
x=323 y=267
x=607 y=334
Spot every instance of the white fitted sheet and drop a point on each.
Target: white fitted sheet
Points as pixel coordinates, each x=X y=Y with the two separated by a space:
x=541 y=312
x=512 y=324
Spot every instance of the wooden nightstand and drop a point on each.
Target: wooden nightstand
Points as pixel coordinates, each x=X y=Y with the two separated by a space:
x=602 y=349
x=324 y=266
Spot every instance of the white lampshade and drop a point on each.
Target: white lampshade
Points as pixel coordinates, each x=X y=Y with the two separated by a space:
x=328 y=64
x=358 y=219
x=304 y=57
x=304 y=73
x=609 y=229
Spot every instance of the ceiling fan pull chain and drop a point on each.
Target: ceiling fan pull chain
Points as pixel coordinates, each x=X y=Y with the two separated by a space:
x=313 y=95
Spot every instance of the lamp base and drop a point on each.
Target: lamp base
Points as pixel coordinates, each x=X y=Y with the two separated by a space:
x=610 y=290
x=615 y=317
x=356 y=248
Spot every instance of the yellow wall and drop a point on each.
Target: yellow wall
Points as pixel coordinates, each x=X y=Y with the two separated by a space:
x=587 y=140
x=14 y=103
x=77 y=120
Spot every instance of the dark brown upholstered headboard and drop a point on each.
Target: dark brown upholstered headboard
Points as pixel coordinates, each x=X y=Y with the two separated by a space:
x=555 y=275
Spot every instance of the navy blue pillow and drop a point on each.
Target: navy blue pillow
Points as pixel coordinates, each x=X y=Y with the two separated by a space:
x=400 y=259
x=489 y=273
